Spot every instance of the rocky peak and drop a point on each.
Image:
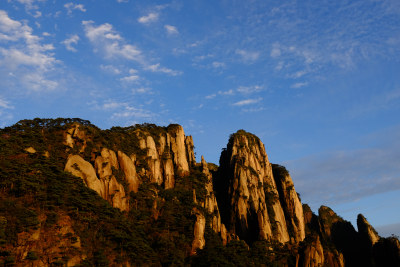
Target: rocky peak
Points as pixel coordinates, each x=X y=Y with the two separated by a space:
x=247 y=192
x=290 y=201
x=366 y=231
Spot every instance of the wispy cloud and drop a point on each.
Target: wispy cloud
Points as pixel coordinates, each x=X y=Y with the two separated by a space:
x=29 y=4
x=149 y=18
x=25 y=58
x=5 y=114
x=110 y=69
x=70 y=41
x=158 y=68
x=247 y=101
x=211 y=96
x=299 y=85
x=109 y=43
x=217 y=64
x=250 y=89
x=248 y=56
x=71 y=6
x=171 y=30
x=132 y=77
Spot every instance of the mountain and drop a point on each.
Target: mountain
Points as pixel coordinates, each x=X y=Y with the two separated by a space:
x=75 y=195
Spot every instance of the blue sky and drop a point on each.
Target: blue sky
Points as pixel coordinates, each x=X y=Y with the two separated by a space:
x=317 y=81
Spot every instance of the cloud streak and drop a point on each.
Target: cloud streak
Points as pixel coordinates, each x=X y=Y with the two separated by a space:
x=247 y=102
x=149 y=18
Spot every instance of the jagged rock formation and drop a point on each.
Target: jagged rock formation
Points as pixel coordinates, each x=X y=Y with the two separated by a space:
x=366 y=231
x=248 y=195
x=313 y=254
x=174 y=211
x=110 y=170
x=199 y=227
x=211 y=205
x=290 y=202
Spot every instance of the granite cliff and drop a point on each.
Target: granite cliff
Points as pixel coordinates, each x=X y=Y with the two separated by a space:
x=73 y=194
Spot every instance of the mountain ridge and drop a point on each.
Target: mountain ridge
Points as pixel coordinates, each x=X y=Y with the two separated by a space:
x=170 y=209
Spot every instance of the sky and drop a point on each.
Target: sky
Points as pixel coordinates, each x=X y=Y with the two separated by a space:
x=317 y=81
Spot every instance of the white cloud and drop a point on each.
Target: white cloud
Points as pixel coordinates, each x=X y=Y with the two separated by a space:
x=247 y=101
x=130 y=112
x=29 y=4
x=46 y=34
x=217 y=64
x=299 y=74
x=248 y=56
x=149 y=18
x=71 y=6
x=141 y=90
x=5 y=114
x=252 y=110
x=38 y=14
x=107 y=41
x=110 y=69
x=228 y=92
x=24 y=58
x=72 y=40
x=4 y=104
x=211 y=96
x=122 y=1
x=171 y=30
x=299 y=85
x=157 y=68
x=112 y=105
x=250 y=89
x=276 y=50
x=130 y=78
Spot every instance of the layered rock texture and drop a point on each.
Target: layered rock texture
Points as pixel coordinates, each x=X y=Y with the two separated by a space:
x=248 y=194
x=136 y=196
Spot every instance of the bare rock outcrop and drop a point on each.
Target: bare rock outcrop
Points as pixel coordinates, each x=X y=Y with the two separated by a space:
x=198 y=232
x=79 y=167
x=161 y=153
x=247 y=193
x=75 y=136
x=127 y=165
x=211 y=205
x=366 y=231
x=107 y=187
x=178 y=148
x=313 y=254
x=290 y=201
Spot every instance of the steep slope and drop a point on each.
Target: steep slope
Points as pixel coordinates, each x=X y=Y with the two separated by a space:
x=248 y=195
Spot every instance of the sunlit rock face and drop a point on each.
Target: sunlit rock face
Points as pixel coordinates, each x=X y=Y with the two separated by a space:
x=114 y=174
x=290 y=202
x=247 y=193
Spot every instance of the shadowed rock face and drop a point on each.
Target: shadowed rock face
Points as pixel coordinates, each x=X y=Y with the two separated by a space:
x=366 y=231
